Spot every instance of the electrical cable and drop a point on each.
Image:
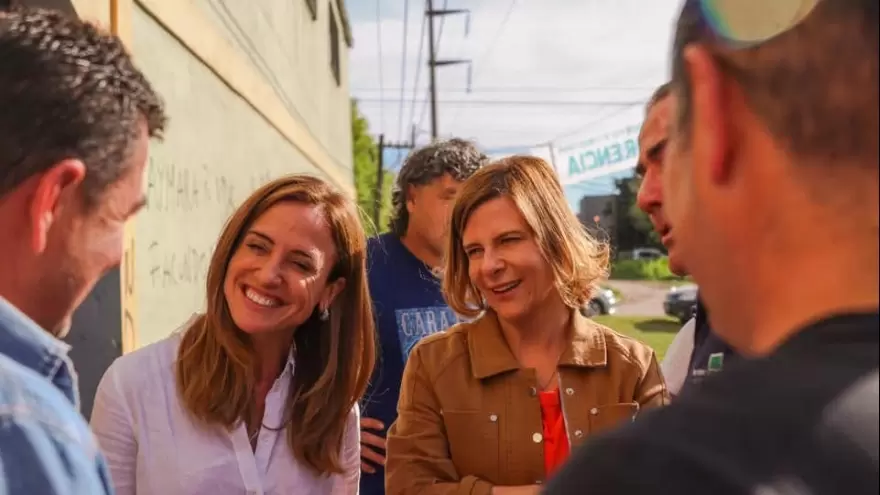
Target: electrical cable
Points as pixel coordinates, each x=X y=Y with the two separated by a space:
x=486 y=52
x=381 y=81
x=403 y=70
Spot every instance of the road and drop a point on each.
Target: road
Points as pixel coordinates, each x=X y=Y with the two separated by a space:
x=639 y=298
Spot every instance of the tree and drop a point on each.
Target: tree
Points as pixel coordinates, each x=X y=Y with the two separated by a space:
x=366 y=162
x=633 y=228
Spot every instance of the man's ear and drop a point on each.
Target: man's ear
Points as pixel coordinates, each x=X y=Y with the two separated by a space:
x=409 y=197
x=709 y=127
x=54 y=189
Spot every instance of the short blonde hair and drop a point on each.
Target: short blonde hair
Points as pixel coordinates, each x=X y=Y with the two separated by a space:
x=578 y=260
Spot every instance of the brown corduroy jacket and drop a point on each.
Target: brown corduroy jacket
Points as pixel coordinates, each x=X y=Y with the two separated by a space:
x=470 y=417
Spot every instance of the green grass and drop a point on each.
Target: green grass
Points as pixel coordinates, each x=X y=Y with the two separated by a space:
x=655 y=332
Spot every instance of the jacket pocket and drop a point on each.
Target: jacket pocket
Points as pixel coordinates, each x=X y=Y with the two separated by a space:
x=473 y=443
x=610 y=416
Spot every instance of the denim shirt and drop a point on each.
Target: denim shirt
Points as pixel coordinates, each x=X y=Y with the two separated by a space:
x=46 y=447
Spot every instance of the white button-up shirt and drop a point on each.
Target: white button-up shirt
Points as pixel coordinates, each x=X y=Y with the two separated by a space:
x=153 y=447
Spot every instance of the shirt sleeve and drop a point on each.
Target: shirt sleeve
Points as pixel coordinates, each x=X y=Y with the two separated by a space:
x=35 y=461
x=417 y=461
x=652 y=391
x=349 y=482
x=113 y=426
x=678 y=356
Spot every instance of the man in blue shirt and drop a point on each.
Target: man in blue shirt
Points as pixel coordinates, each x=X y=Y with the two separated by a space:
x=75 y=124
x=402 y=270
x=708 y=352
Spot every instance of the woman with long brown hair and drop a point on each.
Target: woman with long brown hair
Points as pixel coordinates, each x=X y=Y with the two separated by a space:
x=259 y=394
x=494 y=405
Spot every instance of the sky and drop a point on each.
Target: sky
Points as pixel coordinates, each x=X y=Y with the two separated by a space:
x=539 y=71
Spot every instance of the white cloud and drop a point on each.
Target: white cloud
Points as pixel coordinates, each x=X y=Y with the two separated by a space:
x=575 y=50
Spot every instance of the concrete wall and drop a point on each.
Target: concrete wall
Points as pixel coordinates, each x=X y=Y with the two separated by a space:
x=291 y=52
x=95 y=338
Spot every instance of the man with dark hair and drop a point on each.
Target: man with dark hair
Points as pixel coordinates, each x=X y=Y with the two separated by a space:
x=696 y=351
x=76 y=117
x=403 y=266
x=771 y=187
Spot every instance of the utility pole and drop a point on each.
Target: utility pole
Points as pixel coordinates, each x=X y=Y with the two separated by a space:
x=380 y=180
x=433 y=63
x=380 y=171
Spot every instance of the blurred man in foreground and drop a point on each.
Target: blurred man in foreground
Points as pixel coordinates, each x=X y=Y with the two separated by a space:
x=76 y=118
x=696 y=351
x=773 y=170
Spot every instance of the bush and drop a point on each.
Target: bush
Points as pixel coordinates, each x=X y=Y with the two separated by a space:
x=657 y=269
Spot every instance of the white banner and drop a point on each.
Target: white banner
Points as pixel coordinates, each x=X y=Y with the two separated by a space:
x=599 y=156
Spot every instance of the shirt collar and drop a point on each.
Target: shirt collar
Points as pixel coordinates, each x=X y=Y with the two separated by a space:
x=25 y=342
x=490 y=355
x=290 y=365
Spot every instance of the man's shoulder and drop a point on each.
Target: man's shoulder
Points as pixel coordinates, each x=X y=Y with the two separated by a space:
x=708 y=441
x=45 y=444
x=28 y=399
x=378 y=246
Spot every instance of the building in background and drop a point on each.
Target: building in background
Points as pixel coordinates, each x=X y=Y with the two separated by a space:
x=254 y=90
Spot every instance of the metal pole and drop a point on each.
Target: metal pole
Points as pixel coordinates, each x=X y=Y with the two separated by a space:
x=432 y=68
x=380 y=180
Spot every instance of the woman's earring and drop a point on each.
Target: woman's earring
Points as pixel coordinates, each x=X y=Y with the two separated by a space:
x=325 y=314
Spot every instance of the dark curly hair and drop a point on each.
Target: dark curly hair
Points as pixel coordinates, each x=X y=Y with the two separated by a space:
x=457 y=157
x=69 y=90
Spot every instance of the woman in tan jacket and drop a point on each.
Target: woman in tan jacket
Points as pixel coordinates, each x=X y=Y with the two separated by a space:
x=494 y=406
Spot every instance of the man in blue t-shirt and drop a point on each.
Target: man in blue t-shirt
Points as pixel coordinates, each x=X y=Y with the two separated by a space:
x=402 y=268
x=707 y=352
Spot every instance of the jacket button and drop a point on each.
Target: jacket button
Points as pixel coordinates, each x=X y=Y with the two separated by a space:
x=594 y=411
x=569 y=391
x=537 y=438
x=533 y=391
x=578 y=433
x=493 y=417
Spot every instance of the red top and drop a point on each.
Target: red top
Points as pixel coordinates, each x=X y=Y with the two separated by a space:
x=556 y=446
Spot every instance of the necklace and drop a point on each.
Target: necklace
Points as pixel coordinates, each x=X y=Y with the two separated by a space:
x=555 y=371
x=550 y=380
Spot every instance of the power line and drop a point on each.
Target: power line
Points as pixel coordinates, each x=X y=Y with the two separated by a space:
x=403 y=68
x=496 y=37
x=487 y=51
x=436 y=49
x=591 y=123
x=381 y=83
x=627 y=104
x=412 y=105
x=520 y=89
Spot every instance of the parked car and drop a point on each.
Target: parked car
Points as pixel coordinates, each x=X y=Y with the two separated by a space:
x=603 y=303
x=681 y=302
x=647 y=253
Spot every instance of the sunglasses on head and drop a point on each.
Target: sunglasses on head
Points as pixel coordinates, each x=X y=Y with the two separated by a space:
x=744 y=23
